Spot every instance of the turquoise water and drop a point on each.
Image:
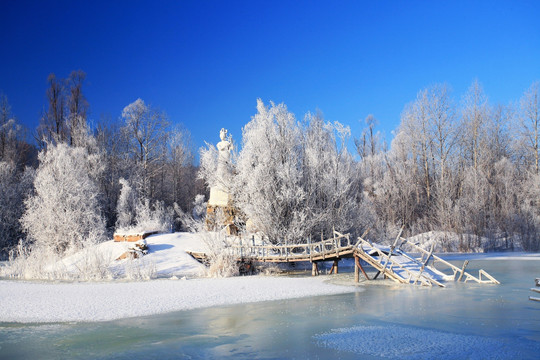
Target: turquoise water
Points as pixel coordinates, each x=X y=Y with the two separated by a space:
x=384 y=321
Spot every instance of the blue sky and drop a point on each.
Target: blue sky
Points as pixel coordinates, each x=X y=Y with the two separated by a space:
x=205 y=63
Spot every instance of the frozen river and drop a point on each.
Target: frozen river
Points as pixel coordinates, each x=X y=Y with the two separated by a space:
x=384 y=321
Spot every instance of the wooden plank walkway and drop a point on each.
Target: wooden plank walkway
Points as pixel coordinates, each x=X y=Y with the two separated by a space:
x=391 y=262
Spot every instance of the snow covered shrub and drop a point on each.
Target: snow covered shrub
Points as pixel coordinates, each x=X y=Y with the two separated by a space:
x=137 y=215
x=26 y=264
x=222 y=262
x=196 y=221
x=90 y=263
x=157 y=217
x=31 y=261
x=64 y=211
x=139 y=269
x=199 y=207
x=126 y=207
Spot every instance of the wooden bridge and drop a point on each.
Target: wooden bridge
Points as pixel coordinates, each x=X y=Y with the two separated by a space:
x=392 y=262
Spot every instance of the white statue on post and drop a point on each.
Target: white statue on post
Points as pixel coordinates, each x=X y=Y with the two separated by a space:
x=220 y=192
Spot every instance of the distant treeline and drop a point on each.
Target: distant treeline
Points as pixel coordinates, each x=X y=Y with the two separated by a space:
x=462 y=166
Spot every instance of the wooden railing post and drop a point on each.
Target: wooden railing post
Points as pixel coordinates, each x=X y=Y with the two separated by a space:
x=463 y=270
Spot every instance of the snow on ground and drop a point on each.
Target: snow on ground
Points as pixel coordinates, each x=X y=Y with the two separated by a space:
x=167 y=252
x=166 y=255
x=400 y=342
x=25 y=302
x=29 y=302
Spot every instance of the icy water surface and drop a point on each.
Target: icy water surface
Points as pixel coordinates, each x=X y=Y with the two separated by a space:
x=462 y=321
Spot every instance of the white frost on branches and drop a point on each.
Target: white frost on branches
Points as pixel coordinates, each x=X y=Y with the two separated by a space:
x=269 y=174
x=64 y=215
x=135 y=214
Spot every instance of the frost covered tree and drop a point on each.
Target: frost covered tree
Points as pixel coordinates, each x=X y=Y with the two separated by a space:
x=370 y=142
x=331 y=177
x=530 y=210
x=530 y=126
x=178 y=179
x=52 y=127
x=269 y=181
x=146 y=131
x=13 y=147
x=65 y=118
x=64 y=214
x=474 y=124
x=208 y=165
x=77 y=108
x=415 y=125
x=14 y=187
x=293 y=180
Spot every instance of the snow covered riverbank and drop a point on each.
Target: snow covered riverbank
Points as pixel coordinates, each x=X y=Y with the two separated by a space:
x=180 y=286
x=29 y=302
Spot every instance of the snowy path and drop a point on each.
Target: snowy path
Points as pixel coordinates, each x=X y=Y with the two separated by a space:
x=61 y=302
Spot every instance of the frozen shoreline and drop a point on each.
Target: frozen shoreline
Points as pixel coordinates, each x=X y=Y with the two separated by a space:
x=38 y=302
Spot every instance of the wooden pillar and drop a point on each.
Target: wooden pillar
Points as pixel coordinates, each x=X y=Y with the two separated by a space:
x=334 y=269
x=314 y=269
x=358 y=266
x=463 y=270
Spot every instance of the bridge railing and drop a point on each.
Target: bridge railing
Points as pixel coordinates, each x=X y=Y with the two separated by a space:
x=293 y=251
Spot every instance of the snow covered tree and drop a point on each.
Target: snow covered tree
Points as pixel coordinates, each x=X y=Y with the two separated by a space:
x=530 y=124
x=65 y=118
x=64 y=213
x=474 y=124
x=208 y=165
x=146 y=130
x=53 y=127
x=370 y=143
x=331 y=180
x=177 y=181
x=268 y=184
x=77 y=107
x=14 y=187
x=13 y=147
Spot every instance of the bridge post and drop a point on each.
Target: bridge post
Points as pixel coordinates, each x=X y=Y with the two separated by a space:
x=334 y=268
x=357 y=267
x=314 y=269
